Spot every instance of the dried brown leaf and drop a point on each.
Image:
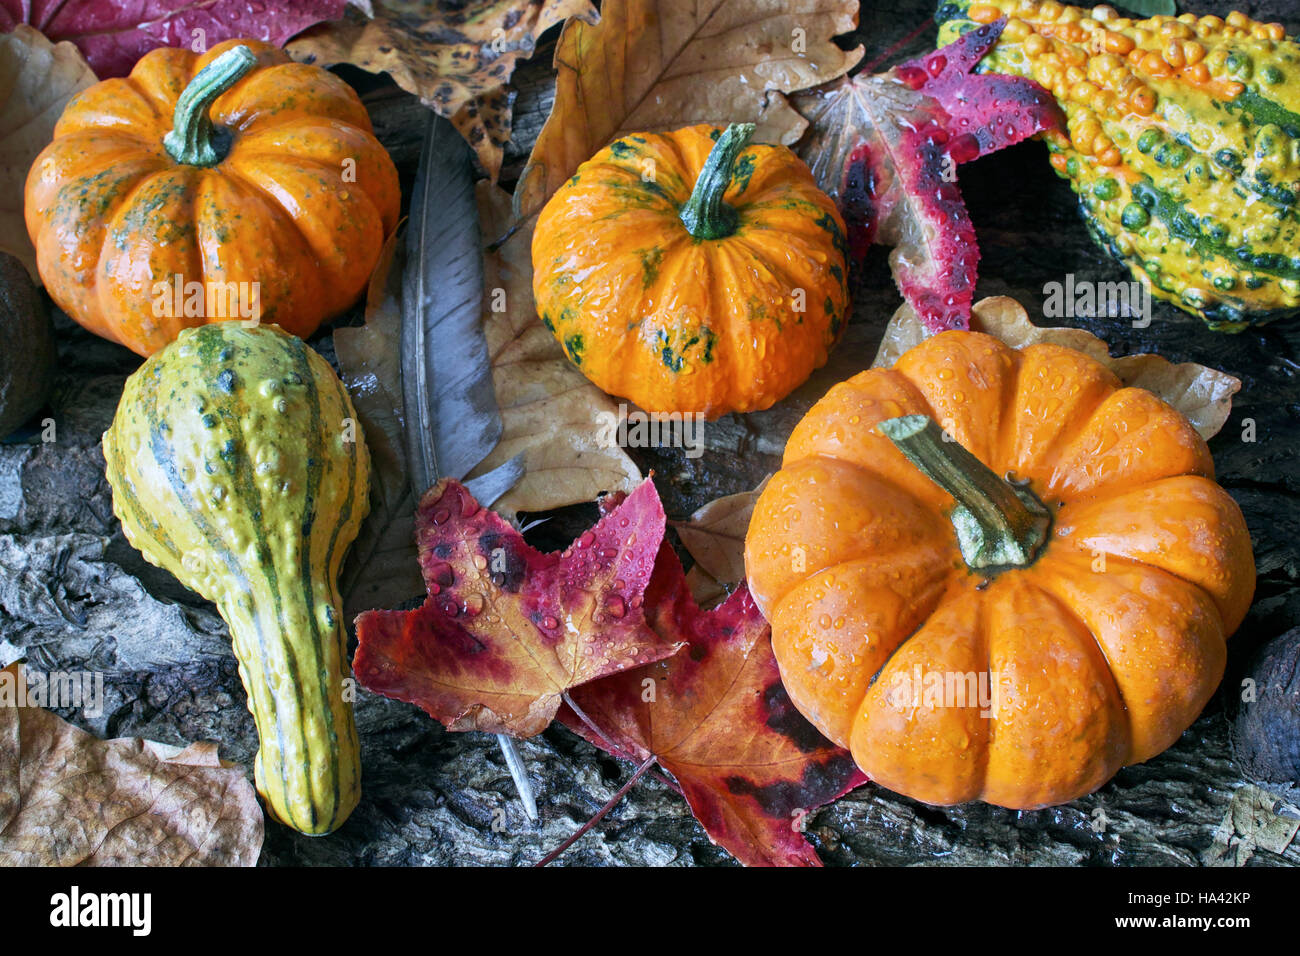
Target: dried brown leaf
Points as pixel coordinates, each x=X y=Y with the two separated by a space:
x=1201 y=394
x=715 y=536
x=70 y=799
x=706 y=590
x=37 y=78
x=656 y=64
x=457 y=58
x=549 y=411
x=381 y=570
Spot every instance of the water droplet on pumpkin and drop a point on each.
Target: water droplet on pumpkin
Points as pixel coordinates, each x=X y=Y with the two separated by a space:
x=616 y=606
x=480 y=562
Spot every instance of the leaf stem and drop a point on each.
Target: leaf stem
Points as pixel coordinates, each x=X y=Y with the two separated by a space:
x=610 y=804
x=612 y=747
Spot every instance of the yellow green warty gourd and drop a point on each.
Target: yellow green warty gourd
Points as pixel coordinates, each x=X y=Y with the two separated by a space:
x=237 y=463
x=1183 y=144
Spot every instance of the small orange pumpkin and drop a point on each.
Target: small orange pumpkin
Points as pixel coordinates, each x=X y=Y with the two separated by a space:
x=690 y=272
x=975 y=637
x=204 y=188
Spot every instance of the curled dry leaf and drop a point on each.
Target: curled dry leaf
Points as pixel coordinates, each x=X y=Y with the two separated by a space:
x=506 y=630
x=113 y=34
x=1201 y=394
x=656 y=64
x=70 y=799
x=715 y=534
x=717 y=717
x=886 y=148
x=457 y=58
x=381 y=570
x=37 y=78
x=550 y=412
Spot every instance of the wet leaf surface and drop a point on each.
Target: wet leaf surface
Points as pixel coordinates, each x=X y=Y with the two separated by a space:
x=886 y=147
x=507 y=629
x=719 y=720
x=113 y=34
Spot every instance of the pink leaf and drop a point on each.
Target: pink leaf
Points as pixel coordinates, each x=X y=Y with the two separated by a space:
x=887 y=146
x=113 y=35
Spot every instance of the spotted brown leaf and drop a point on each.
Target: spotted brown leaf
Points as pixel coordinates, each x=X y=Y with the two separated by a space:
x=457 y=58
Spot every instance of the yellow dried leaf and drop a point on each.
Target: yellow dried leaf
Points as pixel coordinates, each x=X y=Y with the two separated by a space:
x=1202 y=395
x=37 y=78
x=70 y=799
x=549 y=411
x=656 y=64
x=715 y=535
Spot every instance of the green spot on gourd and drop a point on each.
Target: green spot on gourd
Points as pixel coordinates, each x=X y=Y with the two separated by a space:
x=573 y=345
x=1106 y=189
x=1134 y=216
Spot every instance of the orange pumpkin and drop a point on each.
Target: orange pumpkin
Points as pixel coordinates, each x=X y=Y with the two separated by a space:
x=202 y=188
x=690 y=272
x=973 y=637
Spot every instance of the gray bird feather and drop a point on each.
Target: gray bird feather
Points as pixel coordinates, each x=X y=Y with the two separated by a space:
x=452 y=418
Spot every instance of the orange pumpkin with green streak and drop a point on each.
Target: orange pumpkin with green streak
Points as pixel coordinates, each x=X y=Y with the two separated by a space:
x=691 y=272
x=1074 y=612
x=229 y=168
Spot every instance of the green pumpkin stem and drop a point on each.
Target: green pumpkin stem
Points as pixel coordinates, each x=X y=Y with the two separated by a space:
x=705 y=215
x=999 y=524
x=192 y=140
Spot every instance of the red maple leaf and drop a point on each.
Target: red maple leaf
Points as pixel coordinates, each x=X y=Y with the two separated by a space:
x=113 y=34
x=717 y=717
x=886 y=146
x=507 y=629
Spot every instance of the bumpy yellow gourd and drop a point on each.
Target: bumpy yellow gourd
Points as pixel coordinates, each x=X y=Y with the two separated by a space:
x=1183 y=143
x=237 y=464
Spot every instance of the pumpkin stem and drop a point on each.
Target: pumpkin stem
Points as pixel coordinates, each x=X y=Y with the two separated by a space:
x=999 y=524
x=705 y=215
x=192 y=140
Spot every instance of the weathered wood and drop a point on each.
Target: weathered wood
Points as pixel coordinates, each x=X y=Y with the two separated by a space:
x=74 y=594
